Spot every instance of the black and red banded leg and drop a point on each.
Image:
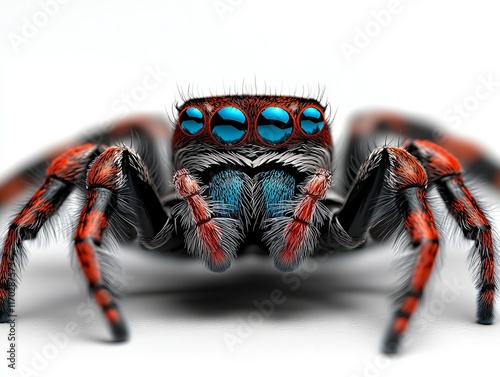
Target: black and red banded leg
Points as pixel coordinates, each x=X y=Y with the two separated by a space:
x=63 y=174
x=366 y=126
x=151 y=133
x=420 y=224
x=392 y=171
x=444 y=171
x=117 y=179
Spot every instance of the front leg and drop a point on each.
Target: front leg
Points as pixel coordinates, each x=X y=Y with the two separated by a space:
x=118 y=184
x=395 y=172
x=64 y=174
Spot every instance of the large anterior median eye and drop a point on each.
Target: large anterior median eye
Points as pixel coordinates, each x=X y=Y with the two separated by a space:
x=191 y=121
x=274 y=125
x=229 y=125
x=311 y=121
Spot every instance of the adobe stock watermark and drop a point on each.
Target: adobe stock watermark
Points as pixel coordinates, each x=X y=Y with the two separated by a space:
x=12 y=334
x=222 y=7
x=40 y=359
x=485 y=88
x=31 y=26
x=364 y=35
x=264 y=309
x=427 y=313
x=131 y=100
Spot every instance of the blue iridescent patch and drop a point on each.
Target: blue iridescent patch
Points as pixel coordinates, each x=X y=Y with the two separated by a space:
x=229 y=125
x=274 y=125
x=191 y=121
x=277 y=188
x=226 y=188
x=311 y=121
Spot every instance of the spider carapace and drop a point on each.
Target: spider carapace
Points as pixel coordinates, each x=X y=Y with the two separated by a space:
x=246 y=169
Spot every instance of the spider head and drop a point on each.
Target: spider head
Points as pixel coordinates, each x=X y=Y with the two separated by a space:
x=252 y=133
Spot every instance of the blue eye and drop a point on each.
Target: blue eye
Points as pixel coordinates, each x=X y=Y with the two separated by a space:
x=311 y=121
x=191 y=121
x=229 y=126
x=274 y=125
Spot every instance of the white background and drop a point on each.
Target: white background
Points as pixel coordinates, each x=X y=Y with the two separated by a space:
x=72 y=72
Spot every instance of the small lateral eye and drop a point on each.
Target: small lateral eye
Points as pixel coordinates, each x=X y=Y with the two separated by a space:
x=311 y=121
x=191 y=121
x=229 y=125
x=274 y=125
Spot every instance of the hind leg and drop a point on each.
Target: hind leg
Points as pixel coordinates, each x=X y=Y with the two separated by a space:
x=151 y=133
x=365 y=127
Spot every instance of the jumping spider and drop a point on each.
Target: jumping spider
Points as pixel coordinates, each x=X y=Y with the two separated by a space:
x=251 y=169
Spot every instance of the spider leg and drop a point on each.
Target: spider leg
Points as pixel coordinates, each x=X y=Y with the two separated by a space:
x=292 y=226
x=118 y=178
x=62 y=175
x=213 y=230
x=444 y=171
x=151 y=132
x=393 y=170
x=365 y=127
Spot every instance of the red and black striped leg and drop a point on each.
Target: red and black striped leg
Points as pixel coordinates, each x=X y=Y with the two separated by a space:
x=118 y=181
x=445 y=172
x=394 y=171
x=419 y=223
x=365 y=127
x=151 y=133
x=62 y=175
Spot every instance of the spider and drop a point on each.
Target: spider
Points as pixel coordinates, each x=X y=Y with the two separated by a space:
x=255 y=169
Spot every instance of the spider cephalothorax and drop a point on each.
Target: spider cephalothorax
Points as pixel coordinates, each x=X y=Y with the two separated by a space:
x=254 y=154
x=255 y=170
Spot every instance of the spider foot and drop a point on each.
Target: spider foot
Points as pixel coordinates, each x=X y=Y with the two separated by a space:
x=118 y=326
x=4 y=316
x=5 y=313
x=485 y=315
x=120 y=332
x=5 y=308
x=392 y=343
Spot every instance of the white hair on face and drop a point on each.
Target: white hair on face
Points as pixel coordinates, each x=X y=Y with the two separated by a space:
x=305 y=157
